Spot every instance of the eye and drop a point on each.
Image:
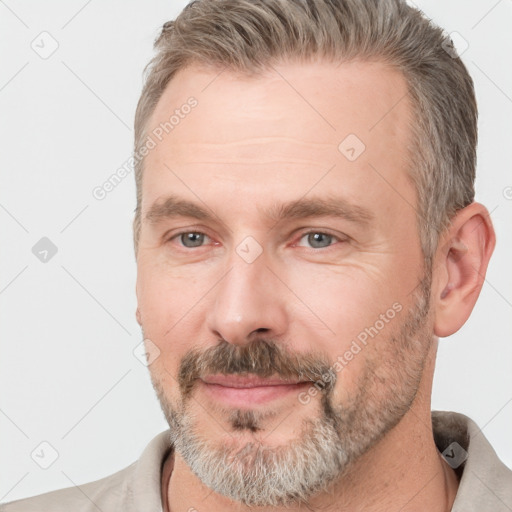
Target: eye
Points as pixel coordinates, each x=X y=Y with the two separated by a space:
x=191 y=239
x=317 y=240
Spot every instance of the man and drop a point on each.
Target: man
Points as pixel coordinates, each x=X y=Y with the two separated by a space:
x=305 y=231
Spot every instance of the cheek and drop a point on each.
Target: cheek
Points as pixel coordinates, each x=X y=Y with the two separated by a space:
x=168 y=307
x=166 y=297
x=350 y=316
x=340 y=302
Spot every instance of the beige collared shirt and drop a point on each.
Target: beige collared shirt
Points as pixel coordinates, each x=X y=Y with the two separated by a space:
x=485 y=482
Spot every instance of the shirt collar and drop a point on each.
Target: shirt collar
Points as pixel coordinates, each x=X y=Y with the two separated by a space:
x=484 y=480
x=145 y=489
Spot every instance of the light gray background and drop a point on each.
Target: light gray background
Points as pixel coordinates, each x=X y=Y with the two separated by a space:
x=68 y=330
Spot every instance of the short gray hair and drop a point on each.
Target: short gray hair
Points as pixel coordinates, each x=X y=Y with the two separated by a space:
x=249 y=36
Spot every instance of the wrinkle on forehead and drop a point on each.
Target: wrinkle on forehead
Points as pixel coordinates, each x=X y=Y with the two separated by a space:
x=256 y=150
x=268 y=135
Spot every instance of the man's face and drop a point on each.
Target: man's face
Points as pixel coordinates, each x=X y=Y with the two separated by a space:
x=289 y=254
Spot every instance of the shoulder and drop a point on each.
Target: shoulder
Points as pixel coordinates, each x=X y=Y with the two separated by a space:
x=485 y=482
x=136 y=487
x=109 y=493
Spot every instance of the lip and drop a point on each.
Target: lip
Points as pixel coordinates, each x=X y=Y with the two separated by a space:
x=247 y=390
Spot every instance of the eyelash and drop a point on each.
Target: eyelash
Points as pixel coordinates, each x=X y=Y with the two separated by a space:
x=336 y=239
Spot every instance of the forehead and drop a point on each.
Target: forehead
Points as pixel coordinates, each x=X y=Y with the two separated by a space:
x=327 y=97
x=283 y=128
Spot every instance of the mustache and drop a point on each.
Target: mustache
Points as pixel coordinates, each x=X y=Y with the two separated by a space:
x=263 y=358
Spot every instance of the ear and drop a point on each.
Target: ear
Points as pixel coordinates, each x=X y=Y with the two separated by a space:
x=138 y=316
x=460 y=265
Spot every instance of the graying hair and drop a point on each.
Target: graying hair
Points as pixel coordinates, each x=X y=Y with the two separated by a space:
x=256 y=473
x=250 y=36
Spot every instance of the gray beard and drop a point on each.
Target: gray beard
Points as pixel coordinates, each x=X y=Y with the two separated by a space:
x=257 y=475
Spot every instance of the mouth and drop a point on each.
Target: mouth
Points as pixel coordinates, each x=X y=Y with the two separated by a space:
x=248 y=390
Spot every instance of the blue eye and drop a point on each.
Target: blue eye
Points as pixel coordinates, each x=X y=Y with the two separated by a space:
x=192 y=239
x=318 y=240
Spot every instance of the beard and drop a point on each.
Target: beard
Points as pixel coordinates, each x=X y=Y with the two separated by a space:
x=255 y=474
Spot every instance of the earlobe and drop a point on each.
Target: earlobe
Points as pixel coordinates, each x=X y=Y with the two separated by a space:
x=461 y=264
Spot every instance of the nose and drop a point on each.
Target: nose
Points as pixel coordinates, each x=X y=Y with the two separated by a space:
x=247 y=303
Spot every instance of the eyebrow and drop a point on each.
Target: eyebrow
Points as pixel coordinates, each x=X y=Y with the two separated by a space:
x=320 y=207
x=173 y=206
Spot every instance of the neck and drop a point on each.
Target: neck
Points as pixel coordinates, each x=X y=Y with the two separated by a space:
x=403 y=472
